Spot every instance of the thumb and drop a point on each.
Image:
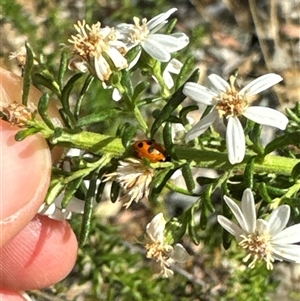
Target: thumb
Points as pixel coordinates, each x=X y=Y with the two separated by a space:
x=24 y=179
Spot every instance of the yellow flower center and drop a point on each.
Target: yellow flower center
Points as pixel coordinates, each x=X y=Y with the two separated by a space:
x=257 y=246
x=90 y=42
x=158 y=251
x=230 y=103
x=140 y=30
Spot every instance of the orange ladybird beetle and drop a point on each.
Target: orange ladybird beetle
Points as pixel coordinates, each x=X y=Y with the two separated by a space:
x=151 y=150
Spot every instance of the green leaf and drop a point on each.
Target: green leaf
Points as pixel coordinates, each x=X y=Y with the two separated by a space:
x=42 y=109
x=249 y=172
x=84 y=89
x=159 y=182
x=21 y=135
x=70 y=190
x=177 y=98
x=62 y=68
x=129 y=132
x=188 y=177
x=282 y=141
x=263 y=191
x=27 y=74
x=185 y=70
x=88 y=209
x=114 y=191
x=55 y=188
x=98 y=117
x=142 y=86
x=296 y=172
x=183 y=113
x=46 y=81
x=191 y=227
x=168 y=143
x=65 y=97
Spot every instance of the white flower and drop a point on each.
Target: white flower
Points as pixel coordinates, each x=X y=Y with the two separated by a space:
x=263 y=239
x=230 y=104
x=159 y=249
x=159 y=46
x=92 y=45
x=134 y=178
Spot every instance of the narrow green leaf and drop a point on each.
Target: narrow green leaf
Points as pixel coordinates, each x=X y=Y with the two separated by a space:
x=27 y=74
x=55 y=188
x=264 y=193
x=282 y=141
x=188 y=177
x=98 y=117
x=183 y=113
x=114 y=191
x=70 y=190
x=168 y=142
x=185 y=71
x=296 y=172
x=42 y=109
x=88 y=209
x=128 y=134
x=46 y=81
x=249 y=172
x=142 y=86
x=65 y=97
x=21 y=135
x=62 y=68
x=84 y=89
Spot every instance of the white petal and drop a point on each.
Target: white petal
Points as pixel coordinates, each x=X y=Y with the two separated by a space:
x=288 y=252
x=155 y=229
x=262 y=227
x=179 y=254
x=174 y=66
x=219 y=83
x=260 y=84
x=116 y=95
x=154 y=49
x=160 y=18
x=279 y=219
x=76 y=205
x=266 y=116
x=199 y=93
x=248 y=209
x=167 y=41
x=288 y=236
x=47 y=209
x=201 y=126
x=118 y=59
x=168 y=79
x=229 y=226
x=237 y=213
x=182 y=39
x=102 y=68
x=235 y=140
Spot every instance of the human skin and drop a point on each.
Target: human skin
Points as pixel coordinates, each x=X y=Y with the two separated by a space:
x=35 y=251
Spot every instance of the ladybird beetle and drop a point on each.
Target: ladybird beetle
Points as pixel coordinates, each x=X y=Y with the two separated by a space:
x=151 y=150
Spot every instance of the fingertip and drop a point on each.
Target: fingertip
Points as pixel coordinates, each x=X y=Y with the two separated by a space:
x=8 y=295
x=25 y=169
x=42 y=254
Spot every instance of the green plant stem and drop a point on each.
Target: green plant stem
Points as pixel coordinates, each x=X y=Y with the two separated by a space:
x=208 y=158
x=140 y=119
x=93 y=142
x=219 y=161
